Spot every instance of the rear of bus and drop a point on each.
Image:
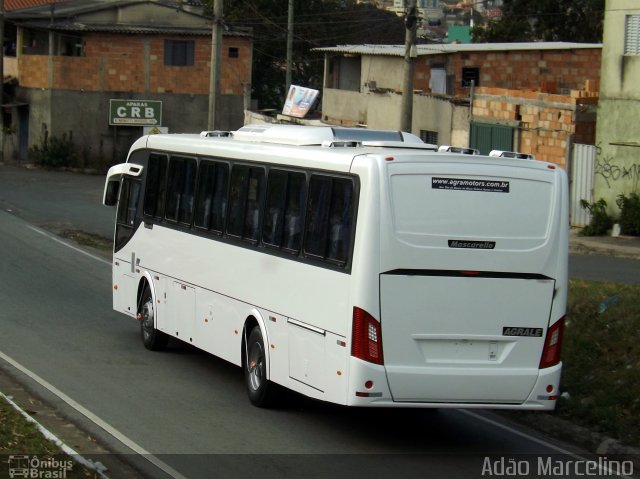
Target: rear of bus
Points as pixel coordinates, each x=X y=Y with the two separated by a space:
x=472 y=283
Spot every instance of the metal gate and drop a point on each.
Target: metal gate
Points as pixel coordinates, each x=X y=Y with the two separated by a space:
x=583 y=160
x=486 y=137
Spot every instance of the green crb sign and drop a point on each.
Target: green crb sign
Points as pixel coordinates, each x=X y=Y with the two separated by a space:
x=135 y=113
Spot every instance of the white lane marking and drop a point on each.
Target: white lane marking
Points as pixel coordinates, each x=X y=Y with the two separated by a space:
x=95 y=419
x=518 y=433
x=81 y=409
x=98 y=467
x=603 y=469
x=58 y=240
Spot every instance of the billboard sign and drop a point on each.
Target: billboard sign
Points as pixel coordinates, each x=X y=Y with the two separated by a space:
x=135 y=112
x=299 y=101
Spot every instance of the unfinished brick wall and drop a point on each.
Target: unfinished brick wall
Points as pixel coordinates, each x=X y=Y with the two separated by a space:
x=552 y=71
x=118 y=63
x=545 y=124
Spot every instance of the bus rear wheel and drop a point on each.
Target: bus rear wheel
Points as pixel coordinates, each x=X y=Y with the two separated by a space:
x=152 y=339
x=260 y=390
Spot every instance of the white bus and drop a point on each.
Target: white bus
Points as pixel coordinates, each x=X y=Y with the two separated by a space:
x=353 y=266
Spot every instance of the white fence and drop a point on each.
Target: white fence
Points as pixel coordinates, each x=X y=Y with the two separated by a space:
x=583 y=160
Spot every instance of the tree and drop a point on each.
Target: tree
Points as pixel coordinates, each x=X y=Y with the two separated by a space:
x=546 y=20
x=317 y=24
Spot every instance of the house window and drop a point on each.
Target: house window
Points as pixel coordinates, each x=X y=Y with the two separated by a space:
x=70 y=46
x=179 y=53
x=35 y=42
x=234 y=52
x=632 y=35
x=470 y=74
x=428 y=136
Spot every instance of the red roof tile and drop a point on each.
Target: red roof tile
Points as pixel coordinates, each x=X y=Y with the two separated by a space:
x=18 y=4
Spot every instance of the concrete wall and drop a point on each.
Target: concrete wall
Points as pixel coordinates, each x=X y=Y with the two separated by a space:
x=386 y=71
x=617 y=169
x=382 y=111
x=84 y=117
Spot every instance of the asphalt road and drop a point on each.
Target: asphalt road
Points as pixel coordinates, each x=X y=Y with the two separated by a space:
x=187 y=410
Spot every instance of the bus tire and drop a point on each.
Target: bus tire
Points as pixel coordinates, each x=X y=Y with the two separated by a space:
x=260 y=390
x=152 y=339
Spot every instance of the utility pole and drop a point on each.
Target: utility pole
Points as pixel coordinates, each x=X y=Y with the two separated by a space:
x=216 y=49
x=289 y=47
x=411 y=24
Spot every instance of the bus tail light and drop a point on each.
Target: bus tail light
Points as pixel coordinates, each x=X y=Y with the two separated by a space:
x=366 y=343
x=552 y=345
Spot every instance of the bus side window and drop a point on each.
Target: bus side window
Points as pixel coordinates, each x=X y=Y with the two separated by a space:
x=155 y=186
x=340 y=217
x=180 y=189
x=296 y=190
x=329 y=218
x=245 y=197
x=128 y=204
x=254 y=197
x=285 y=197
x=272 y=228
x=212 y=195
x=127 y=209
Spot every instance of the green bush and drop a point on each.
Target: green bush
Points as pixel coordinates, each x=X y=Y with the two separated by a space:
x=629 y=214
x=55 y=152
x=601 y=222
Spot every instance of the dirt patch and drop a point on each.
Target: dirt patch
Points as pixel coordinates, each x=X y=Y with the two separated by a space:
x=88 y=239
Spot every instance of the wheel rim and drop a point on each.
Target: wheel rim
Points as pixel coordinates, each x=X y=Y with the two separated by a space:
x=256 y=366
x=147 y=318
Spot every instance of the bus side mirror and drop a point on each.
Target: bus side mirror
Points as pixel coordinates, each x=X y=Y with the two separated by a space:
x=111 y=190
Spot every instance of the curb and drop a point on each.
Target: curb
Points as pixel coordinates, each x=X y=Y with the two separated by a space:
x=620 y=246
x=97 y=467
x=565 y=430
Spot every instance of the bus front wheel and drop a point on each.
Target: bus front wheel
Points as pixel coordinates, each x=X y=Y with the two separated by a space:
x=152 y=339
x=260 y=390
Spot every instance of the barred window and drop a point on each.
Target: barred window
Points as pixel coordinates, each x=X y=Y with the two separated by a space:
x=428 y=136
x=632 y=35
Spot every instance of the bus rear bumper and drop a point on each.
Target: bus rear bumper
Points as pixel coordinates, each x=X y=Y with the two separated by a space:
x=369 y=388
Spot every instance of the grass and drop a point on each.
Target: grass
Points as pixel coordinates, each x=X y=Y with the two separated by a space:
x=601 y=355
x=19 y=438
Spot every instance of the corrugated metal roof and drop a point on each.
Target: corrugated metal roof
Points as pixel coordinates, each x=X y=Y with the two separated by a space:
x=68 y=18
x=126 y=29
x=439 y=49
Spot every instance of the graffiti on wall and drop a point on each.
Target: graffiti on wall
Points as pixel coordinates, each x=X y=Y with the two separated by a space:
x=611 y=172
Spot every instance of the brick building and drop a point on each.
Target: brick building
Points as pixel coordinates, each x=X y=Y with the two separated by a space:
x=73 y=57
x=542 y=124
x=363 y=86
